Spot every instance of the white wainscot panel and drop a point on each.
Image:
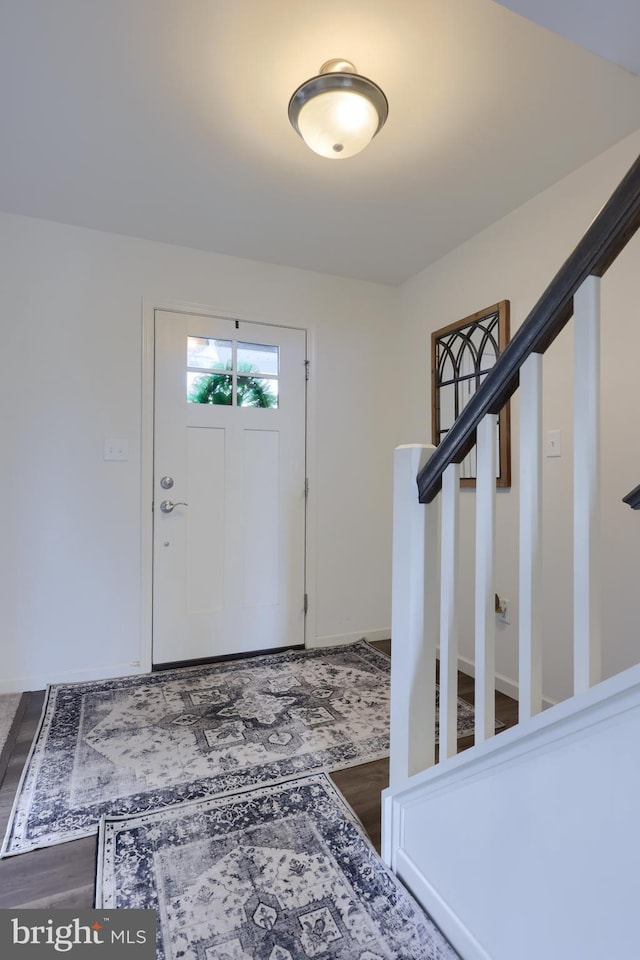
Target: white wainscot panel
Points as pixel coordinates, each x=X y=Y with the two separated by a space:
x=527 y=847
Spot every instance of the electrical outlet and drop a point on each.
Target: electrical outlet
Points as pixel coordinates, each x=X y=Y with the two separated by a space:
x=502 y=609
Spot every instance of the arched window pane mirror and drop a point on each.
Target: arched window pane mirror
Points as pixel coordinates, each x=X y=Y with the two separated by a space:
x=462 y=354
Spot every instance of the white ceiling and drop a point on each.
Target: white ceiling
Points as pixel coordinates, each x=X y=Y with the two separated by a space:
x=167 y=119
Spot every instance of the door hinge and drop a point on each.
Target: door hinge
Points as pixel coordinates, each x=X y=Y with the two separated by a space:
x=306 y=604
x=306 y=369
x=306 y=487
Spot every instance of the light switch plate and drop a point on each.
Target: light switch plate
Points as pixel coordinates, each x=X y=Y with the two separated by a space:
x=554 y=448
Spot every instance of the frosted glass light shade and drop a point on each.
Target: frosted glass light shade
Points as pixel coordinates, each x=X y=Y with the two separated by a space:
x=338 y=112
x=338 y=124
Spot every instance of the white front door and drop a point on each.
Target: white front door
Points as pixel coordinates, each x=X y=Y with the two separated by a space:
x=229 y=454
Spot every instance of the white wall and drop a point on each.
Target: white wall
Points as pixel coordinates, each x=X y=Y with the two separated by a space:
x=70 y=376
x=71 y=604
x=515 y=259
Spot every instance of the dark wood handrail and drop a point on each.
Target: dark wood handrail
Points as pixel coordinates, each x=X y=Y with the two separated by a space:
x=607 y=236
x=633 y=498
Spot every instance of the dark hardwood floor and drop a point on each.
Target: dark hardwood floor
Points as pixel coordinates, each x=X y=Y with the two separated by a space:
x=63 y=876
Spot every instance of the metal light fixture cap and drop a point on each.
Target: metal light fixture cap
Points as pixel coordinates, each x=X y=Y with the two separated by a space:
x=338 y=66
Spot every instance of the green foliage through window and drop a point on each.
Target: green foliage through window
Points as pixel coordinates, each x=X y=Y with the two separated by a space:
x=217 y=388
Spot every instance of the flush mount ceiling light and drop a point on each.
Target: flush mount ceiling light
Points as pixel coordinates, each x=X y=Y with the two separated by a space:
x=338 y=112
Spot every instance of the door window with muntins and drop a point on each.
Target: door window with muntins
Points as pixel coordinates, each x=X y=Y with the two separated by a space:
x=232 y=372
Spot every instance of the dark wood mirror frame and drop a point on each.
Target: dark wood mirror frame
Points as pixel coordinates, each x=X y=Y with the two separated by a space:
x=462 y=354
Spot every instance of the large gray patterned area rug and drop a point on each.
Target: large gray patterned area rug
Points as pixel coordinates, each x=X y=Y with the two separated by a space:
x=280 y=872
x=137 y=743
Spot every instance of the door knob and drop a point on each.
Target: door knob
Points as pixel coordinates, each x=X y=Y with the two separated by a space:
x=167 y=505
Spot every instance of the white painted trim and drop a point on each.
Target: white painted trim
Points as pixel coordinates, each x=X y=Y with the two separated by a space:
x=460 y=938
x=40 y=681
x=146 y=486
x=587 y=615
x=413 y=667
x=340 y=638
x=149 y=306
x=391 y=829
x=485 y=618
x=311 y=532
x=530 y=546
x=449 y=595
x=15 y=686
x=502 y=683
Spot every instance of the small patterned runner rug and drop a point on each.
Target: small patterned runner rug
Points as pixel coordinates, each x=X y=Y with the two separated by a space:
x=136 y=743
x=280 y=872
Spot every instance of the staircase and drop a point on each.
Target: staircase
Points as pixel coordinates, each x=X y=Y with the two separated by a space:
x=526 y=845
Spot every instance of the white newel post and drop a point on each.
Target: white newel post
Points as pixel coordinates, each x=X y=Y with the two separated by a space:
x=586 y=486
x=415 y=585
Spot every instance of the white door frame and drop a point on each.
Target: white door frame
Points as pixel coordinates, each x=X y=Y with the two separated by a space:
x=149 y=307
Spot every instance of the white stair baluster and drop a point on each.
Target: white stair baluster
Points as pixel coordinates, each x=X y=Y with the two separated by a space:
x=586 y=486
x=485 y=618
x=448 y=612
x=530 y=651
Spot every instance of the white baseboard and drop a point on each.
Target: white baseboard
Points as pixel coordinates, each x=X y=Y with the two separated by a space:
x=112 y=671
x=340 y=638
x=42 y=681
x=458 y=935
x=504 y=684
